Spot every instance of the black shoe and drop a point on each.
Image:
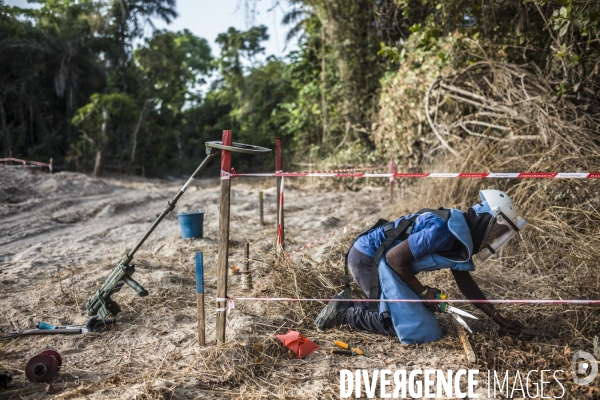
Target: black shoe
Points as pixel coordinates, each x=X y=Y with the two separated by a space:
x=334 y=313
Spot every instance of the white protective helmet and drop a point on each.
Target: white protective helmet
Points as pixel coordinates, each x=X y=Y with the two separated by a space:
x=505 y=222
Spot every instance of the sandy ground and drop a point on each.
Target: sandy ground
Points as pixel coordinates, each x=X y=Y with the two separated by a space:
x=62 y=234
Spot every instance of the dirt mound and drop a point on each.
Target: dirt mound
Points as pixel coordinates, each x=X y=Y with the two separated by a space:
x=18 y=185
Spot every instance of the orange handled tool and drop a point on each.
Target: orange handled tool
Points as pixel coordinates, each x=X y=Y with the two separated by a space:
x=345 y=346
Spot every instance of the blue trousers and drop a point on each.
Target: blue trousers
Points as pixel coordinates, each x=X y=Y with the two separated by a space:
x=410 y=322
x=360 y=318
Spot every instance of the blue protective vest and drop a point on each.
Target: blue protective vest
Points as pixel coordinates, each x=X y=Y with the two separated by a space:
x=460 y=261
x=413 y=322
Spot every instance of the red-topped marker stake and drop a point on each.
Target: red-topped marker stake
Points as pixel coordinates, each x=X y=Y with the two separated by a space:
x=222 y=262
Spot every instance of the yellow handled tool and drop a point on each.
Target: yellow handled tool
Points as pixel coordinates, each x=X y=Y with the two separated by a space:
x=442 y=296
x=455 y=312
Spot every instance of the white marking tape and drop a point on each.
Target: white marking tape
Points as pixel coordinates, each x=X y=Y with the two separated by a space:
x=443 y=175
x=572 y=175
x=225 y=175
x=230 y=304
x=497 y=301
x=503 y=175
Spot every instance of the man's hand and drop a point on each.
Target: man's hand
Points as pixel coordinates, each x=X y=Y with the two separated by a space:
x=431 y=295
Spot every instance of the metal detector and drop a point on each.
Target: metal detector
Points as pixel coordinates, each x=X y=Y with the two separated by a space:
x=101 y=304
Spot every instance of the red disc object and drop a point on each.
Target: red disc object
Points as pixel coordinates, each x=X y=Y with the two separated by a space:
x=41 y=368
x=54 y=354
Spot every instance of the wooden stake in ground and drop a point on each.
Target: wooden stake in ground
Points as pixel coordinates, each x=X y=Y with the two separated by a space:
x=200 y=296
x=246 y=277
x=261 y=206
x=280 y=219
x=465 y=341
x=222 y=262
x=392 y=169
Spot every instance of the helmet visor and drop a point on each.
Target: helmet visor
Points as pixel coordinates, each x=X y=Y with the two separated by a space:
x=500 y=231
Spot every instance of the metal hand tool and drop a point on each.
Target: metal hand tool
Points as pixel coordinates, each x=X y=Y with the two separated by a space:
x=27 y=332
x=457 y=313
x=94 y=324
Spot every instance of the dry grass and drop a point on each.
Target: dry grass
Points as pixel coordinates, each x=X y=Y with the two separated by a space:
x=153 y=353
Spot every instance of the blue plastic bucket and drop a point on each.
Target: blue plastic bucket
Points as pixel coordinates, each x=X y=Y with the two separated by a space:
x=191 y=224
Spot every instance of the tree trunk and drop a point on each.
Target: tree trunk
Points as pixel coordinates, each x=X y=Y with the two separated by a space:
x=31 y=138
x=68 y=108
x=324 y=85
x=4 y=129
x=135 y=132
x=101 y=143
x=98 y=164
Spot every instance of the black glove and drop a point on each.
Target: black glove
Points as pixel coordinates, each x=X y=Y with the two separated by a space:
x=430 y=294
x=386 y=320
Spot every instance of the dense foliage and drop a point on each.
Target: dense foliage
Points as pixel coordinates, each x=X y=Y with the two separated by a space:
x=79 y=82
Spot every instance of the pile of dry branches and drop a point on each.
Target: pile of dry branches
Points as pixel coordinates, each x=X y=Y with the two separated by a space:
x=505 y=103
x=496 y=117
x=501 y=118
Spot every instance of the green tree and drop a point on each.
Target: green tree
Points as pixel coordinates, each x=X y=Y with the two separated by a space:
x=47 y=69
x=172 y=65
x=97 y=119
x=68 y=41
x=336 y=73
x=247 y=96
x=237 y=46
x=124 y=22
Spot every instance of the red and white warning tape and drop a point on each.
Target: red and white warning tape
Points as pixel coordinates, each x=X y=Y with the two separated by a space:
x=516 y=175
x=346 y=170
x=26 y=163
x=374 y=166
